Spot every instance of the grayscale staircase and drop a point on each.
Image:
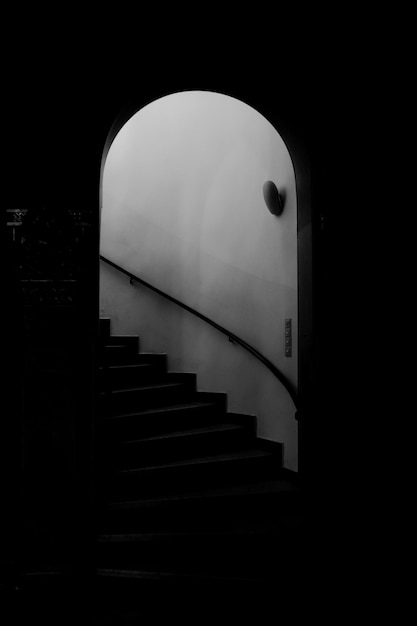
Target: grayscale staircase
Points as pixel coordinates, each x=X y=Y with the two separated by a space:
x=196 y=514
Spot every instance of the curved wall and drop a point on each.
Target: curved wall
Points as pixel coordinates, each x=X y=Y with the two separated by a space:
x=183 y=208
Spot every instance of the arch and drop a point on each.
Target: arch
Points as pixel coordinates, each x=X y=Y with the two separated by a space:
x=297 y=148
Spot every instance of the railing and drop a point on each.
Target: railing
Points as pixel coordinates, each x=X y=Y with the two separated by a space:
x=232 y=337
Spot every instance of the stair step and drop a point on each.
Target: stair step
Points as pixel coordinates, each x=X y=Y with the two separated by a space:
x=157 y=394
x=155 y=596
x=189 y=406
x=124 y=354
x=160 y=575
x=119 y=340
x=164 y=537
x=104 y=327
x=208 y=460
x=200 y=471
x=184 y=584
x=161 y=419
x=178 y=444
x=253 y=489
x=186 y=433
x=118 y=349
x=195 y=598
x=154 y=358
x=157 y=385
x=133 y=375
x=252 y=553
x=114 y=354
x=124 y=376
x=242 y=504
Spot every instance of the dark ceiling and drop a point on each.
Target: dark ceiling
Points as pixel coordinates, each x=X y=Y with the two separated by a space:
x=58 y=111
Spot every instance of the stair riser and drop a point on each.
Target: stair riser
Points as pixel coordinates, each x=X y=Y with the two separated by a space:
x=258 y=557
x=189 y=599
x=117 y=355
x=140 y=454
x=280 y=511
x=125 y=377
x=131 y=342
x=128 y=377
x=131 y=485
x=142 y=590
x=104 y=327
x=130 y=428
x=162 y=414
x=153 y=423
x=119 y=403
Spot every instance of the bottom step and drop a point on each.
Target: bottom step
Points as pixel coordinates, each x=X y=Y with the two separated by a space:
x=165 y=594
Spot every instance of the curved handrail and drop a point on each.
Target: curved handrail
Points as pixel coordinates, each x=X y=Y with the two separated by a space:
x=232 y=337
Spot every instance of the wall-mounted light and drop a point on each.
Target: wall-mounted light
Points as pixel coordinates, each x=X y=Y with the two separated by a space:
x=273 y=199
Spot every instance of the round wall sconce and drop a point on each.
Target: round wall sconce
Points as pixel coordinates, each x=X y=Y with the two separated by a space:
x=273 y=199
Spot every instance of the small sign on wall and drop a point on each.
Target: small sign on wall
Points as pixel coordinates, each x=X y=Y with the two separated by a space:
x=288 y=337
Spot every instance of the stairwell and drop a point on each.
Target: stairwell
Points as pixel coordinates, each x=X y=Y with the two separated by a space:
x=197 y=518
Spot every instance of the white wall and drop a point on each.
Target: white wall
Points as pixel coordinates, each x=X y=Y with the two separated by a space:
x=183 y=208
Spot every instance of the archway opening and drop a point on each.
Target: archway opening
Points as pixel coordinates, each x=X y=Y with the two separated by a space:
x=182 y=206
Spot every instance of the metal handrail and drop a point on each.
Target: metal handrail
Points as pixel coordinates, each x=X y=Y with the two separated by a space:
x=232 y=337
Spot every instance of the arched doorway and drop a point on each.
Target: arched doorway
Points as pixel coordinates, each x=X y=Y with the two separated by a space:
x=302 y=364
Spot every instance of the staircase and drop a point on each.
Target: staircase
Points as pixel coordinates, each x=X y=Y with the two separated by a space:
x=197 y=518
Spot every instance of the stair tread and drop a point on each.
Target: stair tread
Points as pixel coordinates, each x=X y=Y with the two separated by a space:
x=141 y=353
x=165 y=574
x=120 y=336
x=159 y=385
x=146 y=536
x=217 y=458
x=164 y=409
x=125 y=366
x=264 y=487
x=224 y=427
